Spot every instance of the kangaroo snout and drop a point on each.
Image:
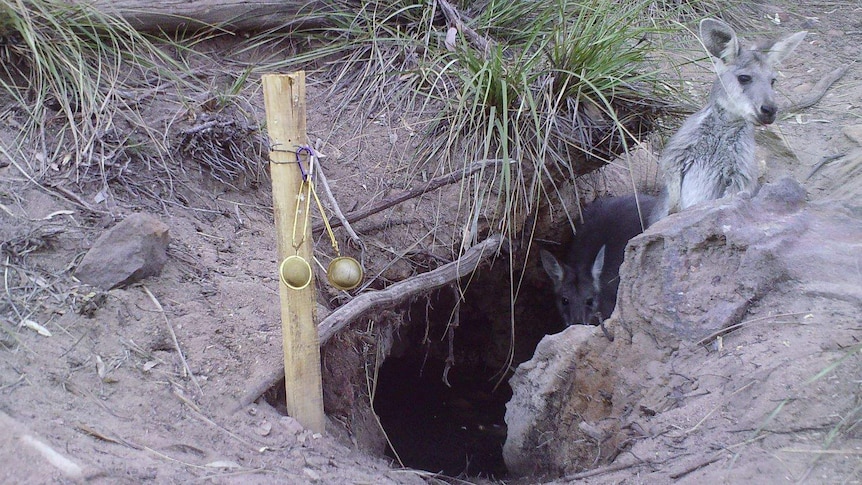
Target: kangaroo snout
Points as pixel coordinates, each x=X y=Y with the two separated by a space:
x=767 y=114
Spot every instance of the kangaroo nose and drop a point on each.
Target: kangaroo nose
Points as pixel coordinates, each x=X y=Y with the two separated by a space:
x=767 y=113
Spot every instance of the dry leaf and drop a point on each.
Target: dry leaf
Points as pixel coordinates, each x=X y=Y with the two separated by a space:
x=37 y=327
x=100 y=368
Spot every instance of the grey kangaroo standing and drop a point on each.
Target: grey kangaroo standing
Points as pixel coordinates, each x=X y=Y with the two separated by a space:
x=586 y=284
x=712 y=154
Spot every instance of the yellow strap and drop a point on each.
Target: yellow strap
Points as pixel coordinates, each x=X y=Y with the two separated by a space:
x=325 y=219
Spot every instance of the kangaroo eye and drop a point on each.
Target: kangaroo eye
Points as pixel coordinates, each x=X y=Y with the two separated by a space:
x=565 y=301
x=772 y=82
x=743 y=79
x=589 y=303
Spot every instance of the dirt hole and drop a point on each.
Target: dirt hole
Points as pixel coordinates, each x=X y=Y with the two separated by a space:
x=453 y=422
x=457 y=429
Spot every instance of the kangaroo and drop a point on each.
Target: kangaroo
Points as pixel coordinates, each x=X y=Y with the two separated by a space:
x=586 y=284
x=712 y=154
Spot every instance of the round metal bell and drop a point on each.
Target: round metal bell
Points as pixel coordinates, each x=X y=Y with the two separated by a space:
x=344 y=273
x=295 y=272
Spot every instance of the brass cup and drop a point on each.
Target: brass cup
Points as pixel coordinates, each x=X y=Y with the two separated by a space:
x=295 y=272
x=344 y=273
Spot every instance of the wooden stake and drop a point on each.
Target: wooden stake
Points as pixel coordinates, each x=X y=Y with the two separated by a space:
x=284 y=99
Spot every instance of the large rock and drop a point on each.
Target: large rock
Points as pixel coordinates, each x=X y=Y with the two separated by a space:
x=132 y=250
x=537 y=388
x=707 y=267
x=726 y=313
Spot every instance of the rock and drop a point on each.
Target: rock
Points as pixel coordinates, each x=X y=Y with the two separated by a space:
x=775 y=277
x=710 y=264
x=533 y=412
x=291 y=426
x=132 y=250
x=311 y=474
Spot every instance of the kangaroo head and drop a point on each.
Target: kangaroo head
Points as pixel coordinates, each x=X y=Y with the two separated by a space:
x=746 y=77
x=577 y=289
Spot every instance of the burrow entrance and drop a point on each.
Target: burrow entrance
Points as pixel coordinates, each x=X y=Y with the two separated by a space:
x=441 y=395
x=442 y=391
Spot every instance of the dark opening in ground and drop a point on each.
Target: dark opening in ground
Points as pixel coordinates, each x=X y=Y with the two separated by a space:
x=449 y=421
x=459 y=429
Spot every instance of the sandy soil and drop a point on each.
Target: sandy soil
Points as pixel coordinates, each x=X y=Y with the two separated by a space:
x=107 y=391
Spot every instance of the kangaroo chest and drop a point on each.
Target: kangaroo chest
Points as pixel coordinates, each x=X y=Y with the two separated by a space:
x=719 y=160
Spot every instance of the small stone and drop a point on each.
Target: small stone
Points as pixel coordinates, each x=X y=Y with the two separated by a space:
x=311 y=474
x=290 y=425
x=129 y=252
x=264 y=429
x=854 y=132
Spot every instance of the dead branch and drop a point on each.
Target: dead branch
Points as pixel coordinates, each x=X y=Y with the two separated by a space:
x=179 y=350
x=697 y=466
x=240 y=15
x=400 y=197
x=819 y=90
x=455 y=18
x=409 y=288
x=391 y=296
x=336 y=209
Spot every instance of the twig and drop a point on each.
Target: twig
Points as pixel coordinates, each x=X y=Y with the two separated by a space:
x=606 y=469
x=117 y=440
x=408 y=288
x=823 y=161
x=206 y=126
x=200 y=415
x=432 y=184
x=73 y=197
x=174 y=338
x=714 y=409
x=269 y=380
x=697 y=466
x=54 y=189
x=819 y=90
x=73 y=388
x=336 y=209
x=371 y=386
x=735 y=326
x=455 y=322
x=455 y=18
x=396 y=293
x=822 y=452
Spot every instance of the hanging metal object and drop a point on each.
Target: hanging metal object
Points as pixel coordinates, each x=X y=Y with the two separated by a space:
x=295 y=272
x=344 y=272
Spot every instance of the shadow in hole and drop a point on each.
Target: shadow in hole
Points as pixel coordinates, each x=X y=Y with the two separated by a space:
x=456 y=431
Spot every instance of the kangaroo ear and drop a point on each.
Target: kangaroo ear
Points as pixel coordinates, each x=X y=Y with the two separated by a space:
x=719 y=39
x=553 y=267
x=598 y=265
x=784 y=47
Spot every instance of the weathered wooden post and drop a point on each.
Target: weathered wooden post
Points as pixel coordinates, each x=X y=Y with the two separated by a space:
x=284 y=99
